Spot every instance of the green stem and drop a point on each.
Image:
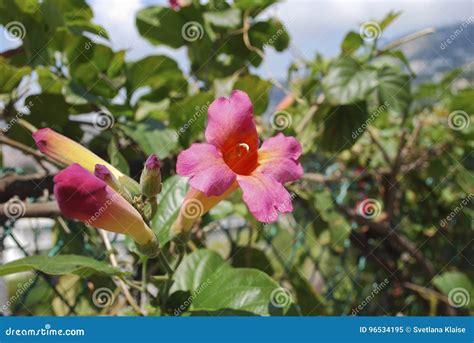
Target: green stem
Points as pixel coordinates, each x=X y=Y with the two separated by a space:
x=154 y=206
x=165 y=263
x=144 y=281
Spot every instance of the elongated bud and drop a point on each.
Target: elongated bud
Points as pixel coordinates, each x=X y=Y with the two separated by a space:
x=195 y=205
x=68 y=152
x=104 y=174
x=83 y=196
x=150 y=180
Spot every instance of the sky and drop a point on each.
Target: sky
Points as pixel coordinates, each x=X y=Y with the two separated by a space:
x=313 y=25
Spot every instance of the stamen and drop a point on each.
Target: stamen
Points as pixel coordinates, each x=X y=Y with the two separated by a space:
x=243 y=145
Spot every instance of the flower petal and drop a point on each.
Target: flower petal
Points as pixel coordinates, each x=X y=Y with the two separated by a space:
x=195 y=205
x=230 y=123
x=84 y=197
x=264 y=196
x=278 y=157
x=206 y=169
x=67 y=151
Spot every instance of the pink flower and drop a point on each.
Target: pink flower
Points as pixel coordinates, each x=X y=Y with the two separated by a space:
x=174 y=4
x=232 y=158
x=83 y=196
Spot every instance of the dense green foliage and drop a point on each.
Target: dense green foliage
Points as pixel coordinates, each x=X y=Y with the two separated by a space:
x=368 y=133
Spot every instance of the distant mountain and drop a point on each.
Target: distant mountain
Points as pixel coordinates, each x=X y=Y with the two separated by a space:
x=449 y=47
x=430 y=56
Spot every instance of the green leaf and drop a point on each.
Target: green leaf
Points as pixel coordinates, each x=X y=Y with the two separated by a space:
x=215 y=285
x=339 y=228
x=389 y=18
x=457 y=286
x=170 y=201
x=343 y=126
x=59 y=265
x=394 y=90
x=48 y=110
x=49 y=82
x=161 y=25
x=269 y=33
x=79 y=26
x=462 y=100
x=99 y=70
x=249 y=257
x=156 y=110
x=399 y=55
x=188 y=117
x=116 y=158
x=258 y=91
x=348 y=81
x=153 y=140
x=10 y=76
x=351 y=43
x=196 y=269
x=253 y=6
x=160 y=73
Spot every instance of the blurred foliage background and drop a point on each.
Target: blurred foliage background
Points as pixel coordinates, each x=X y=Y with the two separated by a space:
x=386 y=195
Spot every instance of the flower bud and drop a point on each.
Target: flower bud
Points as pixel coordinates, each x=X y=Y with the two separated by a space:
x=67 y=151
x=83 y=196
x=150 y=180
x=104 y=174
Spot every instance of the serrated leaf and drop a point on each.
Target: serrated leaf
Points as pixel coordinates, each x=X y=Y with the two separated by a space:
x=347 y=81
x=394 y=90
